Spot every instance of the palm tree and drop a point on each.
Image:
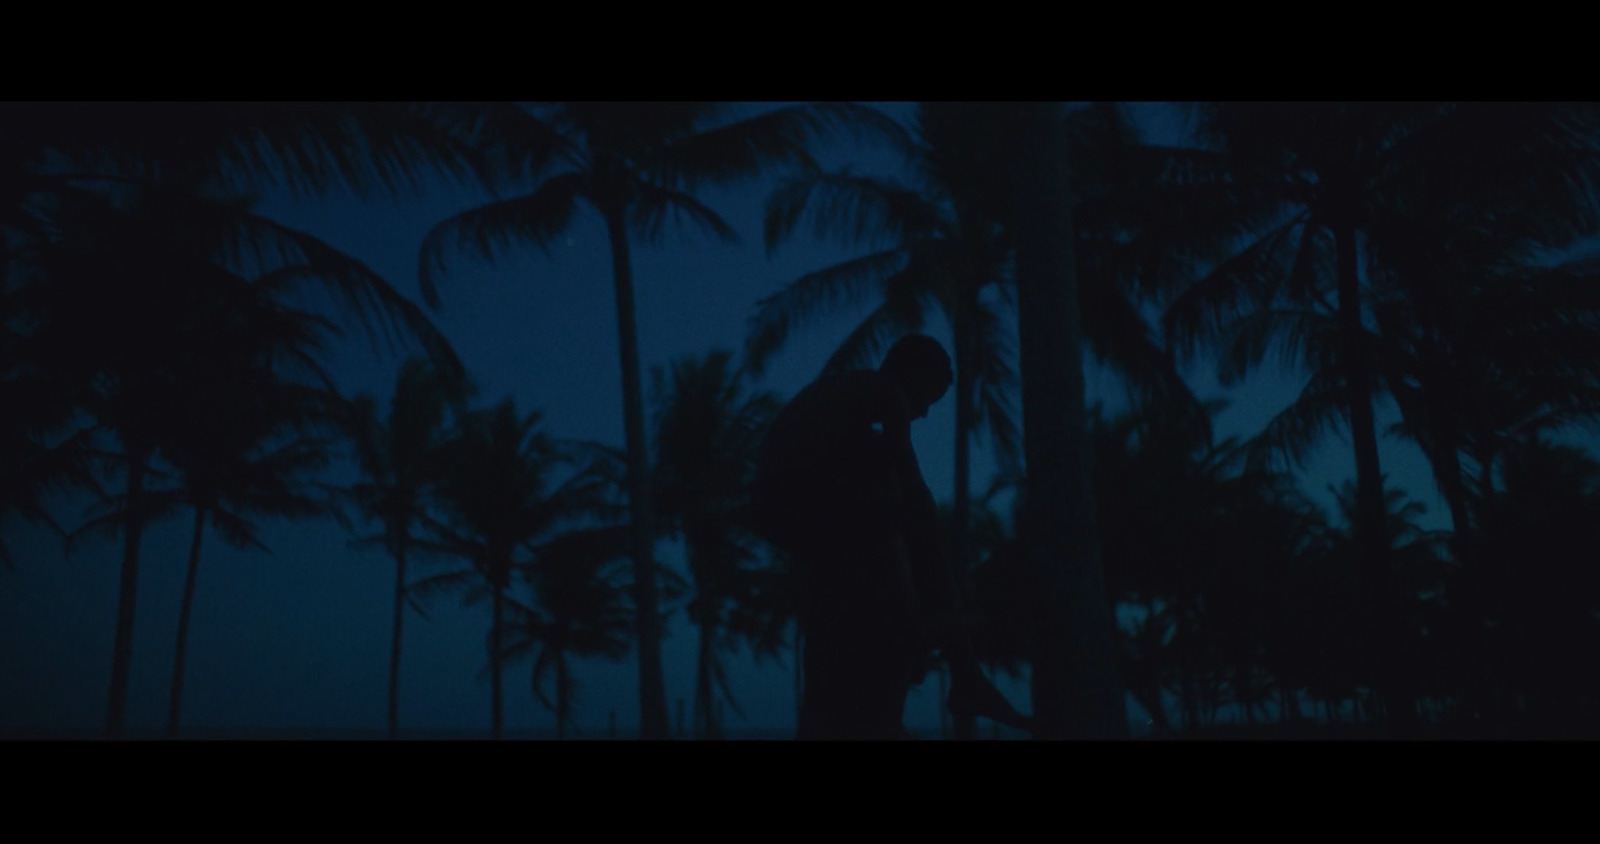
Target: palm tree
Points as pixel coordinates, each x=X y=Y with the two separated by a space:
x=116 y=262
x=636 y=165
x=496 y=497
x=578 y=610
x=1076 y=692
x=400 y=457
x=46 y=452
x=708 y=435
x=1297 y=195
x=248 y=436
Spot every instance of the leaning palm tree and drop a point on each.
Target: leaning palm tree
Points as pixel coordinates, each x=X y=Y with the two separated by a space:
x=708 y=434
x=400 y=457
x=637 y=166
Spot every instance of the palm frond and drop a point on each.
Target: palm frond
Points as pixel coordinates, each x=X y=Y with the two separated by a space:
x=907 y=300
x=854 y=209
x=1291 y=434
x=812 y=296
x=756 y=145
x=1206 y=306
x=653 y=206
x=488 y=232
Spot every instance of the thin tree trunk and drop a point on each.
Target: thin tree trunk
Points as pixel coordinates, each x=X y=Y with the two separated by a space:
x=1371 y=514
x=652 y=680
x=966 y=726
x=1076 y=691
x=174 y=713
x=394 y=646
x=563 y=696
x=799 y=675
x=497 y=712
x=127 y=595
x=703 y=691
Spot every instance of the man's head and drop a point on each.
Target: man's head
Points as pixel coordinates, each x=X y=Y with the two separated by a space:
x=918 y=365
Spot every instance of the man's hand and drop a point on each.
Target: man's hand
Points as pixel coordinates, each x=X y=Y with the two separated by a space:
x=971 y=694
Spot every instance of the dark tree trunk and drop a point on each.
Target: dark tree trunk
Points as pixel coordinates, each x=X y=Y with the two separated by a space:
x=704 y=690
x=563 y=696
x=1076 y=691
x=966 y=726
x=394 y=645
x=175 y=711
x=1384 y=645
x=497 y=711
x=127 y=595
x=799 y=675
x=652 y=681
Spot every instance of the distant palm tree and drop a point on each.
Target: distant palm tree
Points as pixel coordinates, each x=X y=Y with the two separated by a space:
x=637 y=165
x=497 y=496
x=578 y=609
x=401 y=457
x=708 y=436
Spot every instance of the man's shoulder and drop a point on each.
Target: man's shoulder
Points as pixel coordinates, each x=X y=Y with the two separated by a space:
x=853 y=385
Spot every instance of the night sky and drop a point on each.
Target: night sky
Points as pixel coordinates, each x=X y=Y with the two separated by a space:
x=300 y=637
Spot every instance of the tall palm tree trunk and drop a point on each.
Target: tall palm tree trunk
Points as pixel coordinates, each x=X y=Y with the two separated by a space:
x=653 y=721
x=1076 y=692
x=394 y=645
x=497 y=710
x=1371 y=515
x=182 y=651
x=127 y=595
x=966 y=726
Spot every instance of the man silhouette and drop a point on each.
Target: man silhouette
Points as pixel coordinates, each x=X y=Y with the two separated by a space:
x=839 y=489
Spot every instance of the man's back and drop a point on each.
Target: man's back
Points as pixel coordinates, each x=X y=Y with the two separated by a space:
x=825 y=466
x=828 y=486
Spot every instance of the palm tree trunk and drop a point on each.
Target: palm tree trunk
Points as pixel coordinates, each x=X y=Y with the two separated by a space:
x=183 y=624
x=497 y=711
x=653 y=721
x=394 y=645
x=966 y=726
x=563 y=696
x=1076 y=692
x=1371 y=513
x=127 y=595
x=799 y=674
x=702 y=681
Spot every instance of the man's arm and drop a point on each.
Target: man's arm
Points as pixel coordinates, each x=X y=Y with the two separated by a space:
x=971 y=693
x=931 y=566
